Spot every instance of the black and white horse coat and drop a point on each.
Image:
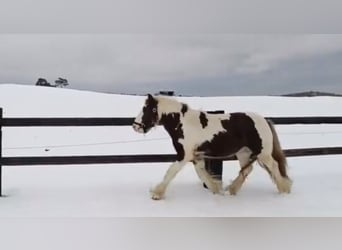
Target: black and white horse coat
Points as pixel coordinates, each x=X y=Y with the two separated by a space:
x=197 y=135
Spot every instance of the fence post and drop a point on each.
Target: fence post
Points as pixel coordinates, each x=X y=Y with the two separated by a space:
x=0 y=152
x=214 y=167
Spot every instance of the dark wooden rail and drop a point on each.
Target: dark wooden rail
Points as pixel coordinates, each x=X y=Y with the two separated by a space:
x=152 y=158
x=127 y=121
x=60 y=122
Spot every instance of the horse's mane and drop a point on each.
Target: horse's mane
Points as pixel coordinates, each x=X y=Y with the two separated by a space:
x=169 y=105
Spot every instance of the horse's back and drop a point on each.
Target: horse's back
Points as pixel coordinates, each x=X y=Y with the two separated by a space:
x=253 y=129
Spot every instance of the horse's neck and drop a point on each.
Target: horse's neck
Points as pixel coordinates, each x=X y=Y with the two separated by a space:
x=170 y=120
x=173 y=121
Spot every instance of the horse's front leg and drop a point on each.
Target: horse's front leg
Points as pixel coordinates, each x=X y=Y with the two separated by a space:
x=159 y=191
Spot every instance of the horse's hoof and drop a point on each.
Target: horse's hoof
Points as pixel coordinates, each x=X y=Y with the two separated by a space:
x=232 y=190
x=218 y=191
x=156 y=197
x=284 y=191
x=285 y=186
x=156 y=194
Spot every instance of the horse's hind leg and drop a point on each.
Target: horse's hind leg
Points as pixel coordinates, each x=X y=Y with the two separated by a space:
x=213 y=184
x=246 y=164
x=271 y=166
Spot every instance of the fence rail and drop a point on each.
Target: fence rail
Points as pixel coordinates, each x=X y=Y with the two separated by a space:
x=127 y=121
x=60 y=122
x=151 y=158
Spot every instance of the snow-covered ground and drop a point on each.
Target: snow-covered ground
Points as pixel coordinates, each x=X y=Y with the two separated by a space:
x=123 y=189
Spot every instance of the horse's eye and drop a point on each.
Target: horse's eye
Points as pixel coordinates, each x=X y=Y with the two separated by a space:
x=154 y=110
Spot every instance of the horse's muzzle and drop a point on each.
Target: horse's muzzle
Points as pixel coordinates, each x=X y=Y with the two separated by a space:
x=139 y=127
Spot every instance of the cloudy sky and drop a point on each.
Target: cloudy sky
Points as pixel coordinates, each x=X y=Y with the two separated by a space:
x=194 y=64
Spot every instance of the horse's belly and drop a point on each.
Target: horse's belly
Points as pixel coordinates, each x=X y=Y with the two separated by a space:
x=220 y=147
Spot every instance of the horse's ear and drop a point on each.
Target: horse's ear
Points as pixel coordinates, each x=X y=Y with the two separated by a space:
x=150 y=97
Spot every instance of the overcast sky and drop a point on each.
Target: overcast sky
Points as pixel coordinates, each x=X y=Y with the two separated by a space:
x=207 y=64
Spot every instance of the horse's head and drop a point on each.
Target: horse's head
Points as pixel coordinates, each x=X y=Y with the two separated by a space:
x=148 y=117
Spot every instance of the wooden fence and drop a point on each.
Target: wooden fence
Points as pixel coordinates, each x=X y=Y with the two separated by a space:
x=124 y=121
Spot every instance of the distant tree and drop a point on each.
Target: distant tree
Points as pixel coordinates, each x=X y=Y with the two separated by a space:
x=43 y=82
x=61 y=82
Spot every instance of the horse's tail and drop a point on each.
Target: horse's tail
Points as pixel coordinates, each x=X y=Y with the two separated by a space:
x=277 y=153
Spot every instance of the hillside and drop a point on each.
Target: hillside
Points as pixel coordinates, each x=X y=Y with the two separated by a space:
x=23 y=100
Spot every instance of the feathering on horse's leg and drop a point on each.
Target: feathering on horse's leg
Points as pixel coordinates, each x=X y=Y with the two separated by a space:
x=213 y=184
x=277 y=163
x=159 y=191
x=236 y=185
x=284 y=184
x=246 y=164
x=272 y=167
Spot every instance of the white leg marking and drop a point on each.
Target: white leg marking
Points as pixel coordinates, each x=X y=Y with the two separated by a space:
x=271 y=166
x=159 y=191
x=244 y=159
x=236 y=185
